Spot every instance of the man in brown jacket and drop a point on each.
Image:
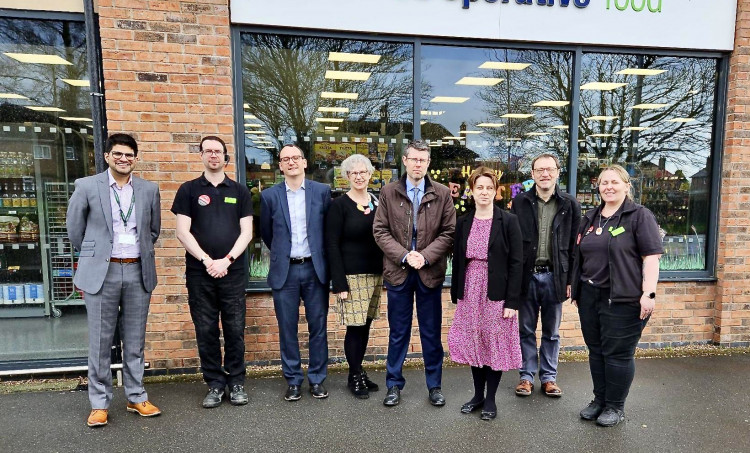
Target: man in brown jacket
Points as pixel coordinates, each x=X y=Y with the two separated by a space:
x=414 y=226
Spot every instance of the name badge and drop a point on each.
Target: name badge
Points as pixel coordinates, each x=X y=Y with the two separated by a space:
x=126 y=239
x=230 y=200
x=617 y=231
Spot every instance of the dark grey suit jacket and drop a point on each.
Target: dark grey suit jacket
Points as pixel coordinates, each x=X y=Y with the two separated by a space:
x=89 y=223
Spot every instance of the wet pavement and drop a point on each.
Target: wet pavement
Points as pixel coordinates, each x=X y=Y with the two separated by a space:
x=675 y=405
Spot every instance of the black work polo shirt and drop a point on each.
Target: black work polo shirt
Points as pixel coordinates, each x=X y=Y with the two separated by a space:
x=215 y=213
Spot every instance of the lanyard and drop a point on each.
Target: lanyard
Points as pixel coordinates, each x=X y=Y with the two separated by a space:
x=130 y=210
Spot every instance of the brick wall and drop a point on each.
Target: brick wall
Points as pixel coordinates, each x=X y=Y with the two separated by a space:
x=168 y=73
x=733 y=271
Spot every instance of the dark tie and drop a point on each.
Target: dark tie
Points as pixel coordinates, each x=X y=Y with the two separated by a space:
x=415 y=210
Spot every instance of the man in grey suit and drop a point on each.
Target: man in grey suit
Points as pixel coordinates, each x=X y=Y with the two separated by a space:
x=292 y=225
x=113 y=221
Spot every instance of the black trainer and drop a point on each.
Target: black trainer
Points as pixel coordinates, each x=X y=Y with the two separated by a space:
x=293 y=393
x=318 y=391
x=610 y=417
x=238 y=396
x=213 y=398
x=592 y=411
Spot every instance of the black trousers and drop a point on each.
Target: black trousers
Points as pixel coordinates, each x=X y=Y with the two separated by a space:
x=611 y=332
x=211 y=299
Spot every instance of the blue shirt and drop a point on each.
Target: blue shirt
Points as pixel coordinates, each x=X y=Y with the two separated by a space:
x=298 y=218
x=410 y=187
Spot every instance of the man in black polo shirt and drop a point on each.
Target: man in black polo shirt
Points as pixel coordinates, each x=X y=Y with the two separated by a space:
x=215 y=225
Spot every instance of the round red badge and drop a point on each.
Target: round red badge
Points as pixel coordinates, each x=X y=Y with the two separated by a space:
x=204 y=200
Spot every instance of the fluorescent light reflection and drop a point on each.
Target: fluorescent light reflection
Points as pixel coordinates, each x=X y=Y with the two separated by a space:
x=353 y=57
x=504 y=65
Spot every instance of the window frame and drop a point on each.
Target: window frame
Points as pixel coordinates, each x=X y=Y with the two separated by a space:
x=717 y=142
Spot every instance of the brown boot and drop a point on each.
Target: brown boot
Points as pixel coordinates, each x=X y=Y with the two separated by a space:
x=524 y=388
x=551 y=389
x=144 y=409
x=97 y=417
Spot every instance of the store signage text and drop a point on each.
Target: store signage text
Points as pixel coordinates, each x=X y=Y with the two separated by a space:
x=636 y=5
x=577 y=3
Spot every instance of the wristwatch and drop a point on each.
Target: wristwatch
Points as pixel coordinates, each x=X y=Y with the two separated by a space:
x=230 y=258
x=652 y=295
x=204 y=258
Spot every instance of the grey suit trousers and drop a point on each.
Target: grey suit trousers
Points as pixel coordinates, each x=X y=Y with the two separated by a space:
x=122 y=291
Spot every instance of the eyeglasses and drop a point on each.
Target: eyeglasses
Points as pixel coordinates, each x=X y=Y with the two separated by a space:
x=213 y=152
x=117 y=155
x=414 y=160
x=549 y=170
x=292 y=158
x=362 y=173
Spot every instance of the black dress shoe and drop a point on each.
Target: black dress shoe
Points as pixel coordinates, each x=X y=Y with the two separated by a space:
x=470 y=407
x=436 y=397
x=488 y=415
x=293 y=393
x=358 y=386
x=318 y=391
x=610 y=417
x=592 y=411
x=371 y=386
x=213 y=398
x=393 y=397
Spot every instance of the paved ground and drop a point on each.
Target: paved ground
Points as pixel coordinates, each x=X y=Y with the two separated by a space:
x=676 y=405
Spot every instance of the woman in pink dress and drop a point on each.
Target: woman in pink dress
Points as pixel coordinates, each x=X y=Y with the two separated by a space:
x=487 y=266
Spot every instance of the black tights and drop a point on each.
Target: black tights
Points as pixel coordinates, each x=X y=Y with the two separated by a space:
x=355 y=345
x=489 y=378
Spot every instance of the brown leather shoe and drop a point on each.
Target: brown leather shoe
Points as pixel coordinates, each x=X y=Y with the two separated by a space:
x=144 y=409
x=524 y=388
x=97 y=417
x=551 y=389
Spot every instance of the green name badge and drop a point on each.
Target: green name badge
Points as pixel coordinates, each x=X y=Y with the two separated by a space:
x=618 y=230
x=230 y=200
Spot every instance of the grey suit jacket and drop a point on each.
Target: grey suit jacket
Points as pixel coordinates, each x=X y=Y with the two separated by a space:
x=89 y=223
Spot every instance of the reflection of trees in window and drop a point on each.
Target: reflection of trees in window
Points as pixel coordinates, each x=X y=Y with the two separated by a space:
x=283 y=77
x=42 y=83
x=547 y=78
x=683 y=91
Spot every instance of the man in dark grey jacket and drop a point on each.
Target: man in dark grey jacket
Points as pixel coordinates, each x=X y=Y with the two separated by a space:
x=549 y=221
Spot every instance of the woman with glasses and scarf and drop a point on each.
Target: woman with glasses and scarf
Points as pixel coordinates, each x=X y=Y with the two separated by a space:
x=356 y=264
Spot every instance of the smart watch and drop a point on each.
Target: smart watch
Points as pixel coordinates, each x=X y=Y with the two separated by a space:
x=230 y=258
x=652 y=295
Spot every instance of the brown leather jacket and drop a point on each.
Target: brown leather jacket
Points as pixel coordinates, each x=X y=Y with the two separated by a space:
x=436 y=223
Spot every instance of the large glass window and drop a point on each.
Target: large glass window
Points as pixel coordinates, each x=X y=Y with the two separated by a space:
x=45 y=144
x=654 y=116
x=333 y=97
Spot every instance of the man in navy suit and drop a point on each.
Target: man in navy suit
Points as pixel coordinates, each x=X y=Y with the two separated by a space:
x=291 y=225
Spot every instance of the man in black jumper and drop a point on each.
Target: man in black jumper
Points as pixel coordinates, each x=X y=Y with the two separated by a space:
x=549 y=221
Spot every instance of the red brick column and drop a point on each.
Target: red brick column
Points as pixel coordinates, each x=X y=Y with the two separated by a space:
x=732 y=325
x=167 y=73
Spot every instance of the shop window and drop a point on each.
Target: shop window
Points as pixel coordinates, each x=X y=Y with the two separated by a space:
x=45 y=144
x=494 y=107
x=654 y=116
x=333 y=98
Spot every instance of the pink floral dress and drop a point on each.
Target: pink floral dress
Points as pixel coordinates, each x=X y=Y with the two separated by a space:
x=479 y=335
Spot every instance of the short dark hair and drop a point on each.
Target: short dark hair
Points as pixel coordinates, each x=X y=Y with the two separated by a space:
x=546 y=155
x=120 y=139
x=292 y=144
x=213 y=138
x=418 y=145
x=482 y=171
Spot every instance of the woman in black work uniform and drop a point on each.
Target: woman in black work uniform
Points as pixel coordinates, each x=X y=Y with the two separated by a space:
x=617 y=268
